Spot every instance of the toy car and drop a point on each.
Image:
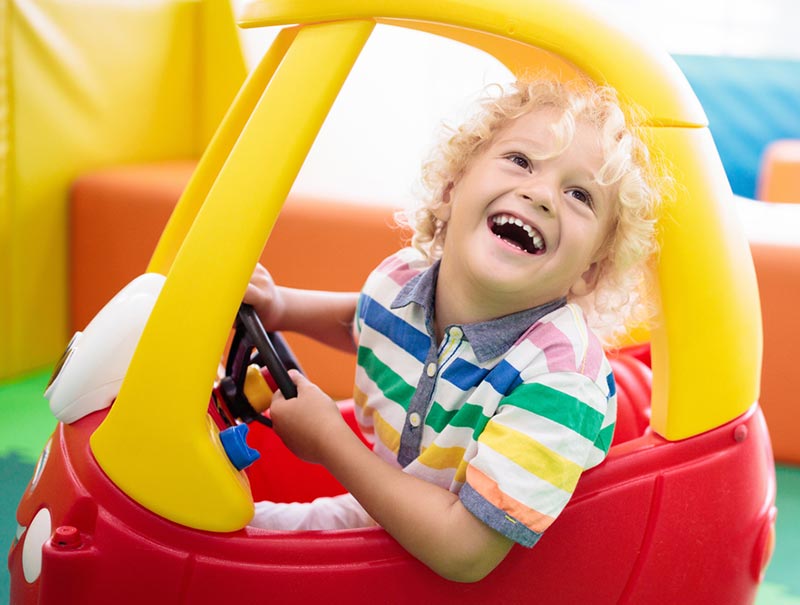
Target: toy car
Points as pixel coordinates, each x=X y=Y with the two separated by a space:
x=142 y=495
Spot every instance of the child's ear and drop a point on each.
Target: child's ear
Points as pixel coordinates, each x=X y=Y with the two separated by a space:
x=587 y=282
x=443 y=211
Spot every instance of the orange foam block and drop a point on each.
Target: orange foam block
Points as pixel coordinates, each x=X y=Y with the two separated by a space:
x=779 y=178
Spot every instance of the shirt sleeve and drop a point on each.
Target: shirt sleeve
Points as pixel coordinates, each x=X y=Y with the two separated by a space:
x=357 y=320
x=532 y=452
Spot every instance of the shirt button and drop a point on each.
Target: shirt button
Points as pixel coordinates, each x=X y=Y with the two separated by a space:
x=414 y=419
x=456 y=333
x=431 y=370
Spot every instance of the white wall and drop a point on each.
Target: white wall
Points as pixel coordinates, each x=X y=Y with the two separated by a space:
x=749 y=28
x=404 y=84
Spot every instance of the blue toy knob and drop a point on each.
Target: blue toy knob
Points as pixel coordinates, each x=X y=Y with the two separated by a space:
x=234 y=441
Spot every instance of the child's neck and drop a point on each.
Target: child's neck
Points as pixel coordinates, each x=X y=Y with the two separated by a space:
x=459 y=301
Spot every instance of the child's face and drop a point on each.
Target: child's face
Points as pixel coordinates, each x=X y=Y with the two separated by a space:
x=523 y=232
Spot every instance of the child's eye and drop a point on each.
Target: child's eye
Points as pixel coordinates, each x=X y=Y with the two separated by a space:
x=582 y=196
x=520 y=160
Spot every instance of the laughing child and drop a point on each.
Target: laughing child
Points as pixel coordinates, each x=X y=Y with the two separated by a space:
x=481 y=384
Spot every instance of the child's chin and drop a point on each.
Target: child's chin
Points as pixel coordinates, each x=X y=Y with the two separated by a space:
x=506 y=254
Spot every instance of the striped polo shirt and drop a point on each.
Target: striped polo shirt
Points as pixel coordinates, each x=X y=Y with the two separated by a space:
x=506 y=413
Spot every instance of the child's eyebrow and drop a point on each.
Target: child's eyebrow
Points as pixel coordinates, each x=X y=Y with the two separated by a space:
x=530 y=146
x=587 y=174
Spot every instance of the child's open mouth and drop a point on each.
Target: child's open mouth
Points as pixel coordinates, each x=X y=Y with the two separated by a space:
x=517 y=233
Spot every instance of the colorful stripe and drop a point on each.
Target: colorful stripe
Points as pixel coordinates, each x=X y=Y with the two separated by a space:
x=390 y=383
x=517 y=510
x=401 y=333
x=559 y=407
x=532 y=456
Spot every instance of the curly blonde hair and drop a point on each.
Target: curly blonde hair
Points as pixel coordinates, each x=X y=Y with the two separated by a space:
x=623 y=297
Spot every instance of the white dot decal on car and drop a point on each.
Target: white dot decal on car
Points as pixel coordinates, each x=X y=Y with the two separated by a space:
x=38 y=533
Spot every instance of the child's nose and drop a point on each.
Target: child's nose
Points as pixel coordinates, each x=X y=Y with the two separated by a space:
x=539 y=195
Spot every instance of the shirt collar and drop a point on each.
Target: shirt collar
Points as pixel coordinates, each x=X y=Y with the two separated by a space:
x=489 y=339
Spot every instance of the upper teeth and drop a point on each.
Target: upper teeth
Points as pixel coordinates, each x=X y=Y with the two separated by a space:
x=504 y=219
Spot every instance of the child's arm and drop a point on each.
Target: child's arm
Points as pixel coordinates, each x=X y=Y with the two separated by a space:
x=428 y=521
x=323 y=316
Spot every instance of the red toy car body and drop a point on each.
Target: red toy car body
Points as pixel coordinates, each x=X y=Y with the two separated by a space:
x=658 y=522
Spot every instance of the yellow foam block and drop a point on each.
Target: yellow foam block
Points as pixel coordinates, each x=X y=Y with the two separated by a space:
x=85 y=85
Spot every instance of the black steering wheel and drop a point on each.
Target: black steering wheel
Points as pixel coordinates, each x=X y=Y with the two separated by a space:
x=253 y=344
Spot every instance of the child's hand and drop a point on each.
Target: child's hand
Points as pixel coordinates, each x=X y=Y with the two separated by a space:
x=266 y=298
x=308 y=422
x=427 y=520
x=323 y=316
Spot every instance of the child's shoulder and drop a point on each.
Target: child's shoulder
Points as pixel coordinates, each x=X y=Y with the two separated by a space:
x=566 y=341
x=401 y=267
x=568 y=318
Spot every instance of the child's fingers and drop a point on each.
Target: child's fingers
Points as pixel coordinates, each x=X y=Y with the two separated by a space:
x=302 y=383
x=250 y=294
x=297 y=377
